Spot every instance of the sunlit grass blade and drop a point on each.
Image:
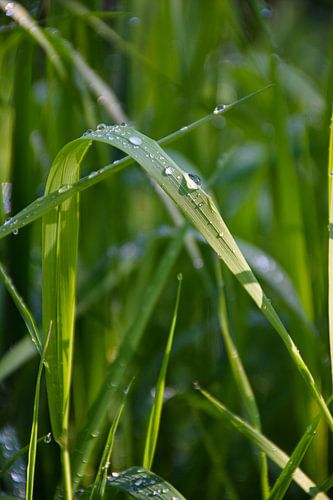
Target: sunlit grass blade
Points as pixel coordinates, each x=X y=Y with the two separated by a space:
x=23 y=309
x=186 y=191
x=130 y=342
x=23 y=19
x=98 y=489
x=156 y=411
x=270 y=448
x=59 y=253
x=330 y=247
x=16 y=356
x=283 y=482
x=34 y=427
x=238 y=371
x=142 y=484
x=43 y=205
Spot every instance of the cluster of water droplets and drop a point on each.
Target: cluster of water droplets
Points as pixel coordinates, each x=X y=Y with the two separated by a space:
x=139 y=482
x=114 y=133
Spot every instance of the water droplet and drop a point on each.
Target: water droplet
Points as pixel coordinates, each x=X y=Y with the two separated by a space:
x=115 y=474
x=64 y=188
x=7 y=221
x=9 y=8
x=134 y=139
x=191 y=181
x=179 y=276
x=184 y=128
x=15 y=232
x=168 y=171
x=95 y=434
x=220 y=235
x=165 y=490
x=88 y=132
x=219 y=108
x=134 y=20
x=138 y=482
x=93 y=174
x=101 y=126
x=196 y=385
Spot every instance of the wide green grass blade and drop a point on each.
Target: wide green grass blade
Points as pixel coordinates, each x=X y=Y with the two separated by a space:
x=156 y=411
x=141 y=484
x=97 y=413
x=240 y=376
x=200 y=209
x=283 y=482
x=34 y=428
x=98 y=489
x=23 y=309
x=270 y=448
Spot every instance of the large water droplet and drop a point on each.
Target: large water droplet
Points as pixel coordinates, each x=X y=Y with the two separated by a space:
x=134 y=139
x=192 y=181
x=219 y=108
x=101 y=126
x=168 y=171
x=195 y=178
x=64 y=188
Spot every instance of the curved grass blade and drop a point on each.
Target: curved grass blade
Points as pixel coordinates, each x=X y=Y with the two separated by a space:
x=270 y=448
x=141 y=484
x=98 y=489
x=186 y=191
x=240 y=376
x=34 y=428
x=97 y=413
x=16 y=356
x=283 y=482
x=44 y=204
x=156 y=411
x=20 y=15
x=23 y=310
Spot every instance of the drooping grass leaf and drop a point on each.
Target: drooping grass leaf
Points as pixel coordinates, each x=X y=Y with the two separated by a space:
x=156 y=411
x=270 y=448
x=282 y=483
x=186 y=191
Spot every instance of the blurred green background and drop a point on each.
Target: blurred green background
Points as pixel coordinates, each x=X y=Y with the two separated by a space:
x=170 y=62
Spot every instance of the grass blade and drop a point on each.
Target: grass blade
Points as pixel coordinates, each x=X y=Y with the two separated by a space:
x=270 y=448
x=98 y=489
x=23 y=310
x=156 y=411
x=16 y=356
x=23 y=19
x=238 y=371
x=186 y=191
x=34 y=428
x=142 y=484
x=283 y=482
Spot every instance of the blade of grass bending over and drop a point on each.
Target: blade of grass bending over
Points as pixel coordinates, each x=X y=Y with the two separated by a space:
x=238 y=371
x=271 y=449
x=44 y=204
x=34 y=428
x=330 y=246
x=284 y=480
x=20 y=15
x=59 y=259
x=23 y=310
x=97 y=413
x=156 y=411
x=186 y=191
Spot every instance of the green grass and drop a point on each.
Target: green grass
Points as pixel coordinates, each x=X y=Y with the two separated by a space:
x=102 y=219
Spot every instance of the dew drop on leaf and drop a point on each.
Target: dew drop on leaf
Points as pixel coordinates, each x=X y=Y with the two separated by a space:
x=134 y=139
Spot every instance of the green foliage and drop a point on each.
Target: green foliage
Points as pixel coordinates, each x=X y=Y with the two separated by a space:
x=228 y=110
